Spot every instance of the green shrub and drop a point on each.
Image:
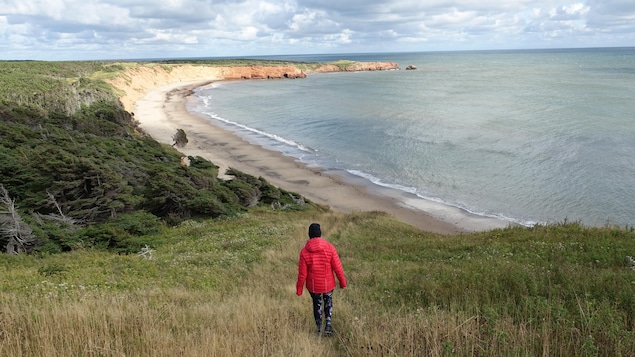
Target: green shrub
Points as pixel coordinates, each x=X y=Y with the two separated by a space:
x=50 y=247
x=52 y=269
x=248 y=195
x=98 y=236
x=201 y=163
x=205 y=203
x=138 y=223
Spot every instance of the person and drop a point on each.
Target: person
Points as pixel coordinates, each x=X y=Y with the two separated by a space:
x=318 y=261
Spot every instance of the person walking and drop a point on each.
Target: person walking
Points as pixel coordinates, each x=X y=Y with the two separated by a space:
x=318 y=264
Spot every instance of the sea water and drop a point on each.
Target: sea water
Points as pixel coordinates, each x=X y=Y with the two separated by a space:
x=533 y=136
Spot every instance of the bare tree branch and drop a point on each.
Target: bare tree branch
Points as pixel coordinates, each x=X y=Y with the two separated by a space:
x=19 y=234
x=60 y=217
x=146 y=252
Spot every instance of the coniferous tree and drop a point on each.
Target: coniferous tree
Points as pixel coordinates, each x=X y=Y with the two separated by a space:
x=180 y=138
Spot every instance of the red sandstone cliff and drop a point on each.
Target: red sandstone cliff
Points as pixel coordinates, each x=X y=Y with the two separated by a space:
x=346 y=66
x=262 y=72
x=138 y=80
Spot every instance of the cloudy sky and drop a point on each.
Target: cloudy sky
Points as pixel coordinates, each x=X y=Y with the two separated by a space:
x=135 y=29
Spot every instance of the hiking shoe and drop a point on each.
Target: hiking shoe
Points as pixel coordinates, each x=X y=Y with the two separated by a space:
x=328 y=330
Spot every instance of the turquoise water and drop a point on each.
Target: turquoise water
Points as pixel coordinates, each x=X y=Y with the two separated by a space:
x=525 y=136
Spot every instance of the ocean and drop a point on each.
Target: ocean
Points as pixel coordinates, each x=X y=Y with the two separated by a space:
x=527 y=136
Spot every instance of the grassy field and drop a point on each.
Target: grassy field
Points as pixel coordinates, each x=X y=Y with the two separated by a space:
x=226 y=287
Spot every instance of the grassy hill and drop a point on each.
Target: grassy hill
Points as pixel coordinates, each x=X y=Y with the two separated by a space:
x=162 y=260
x=69 y=150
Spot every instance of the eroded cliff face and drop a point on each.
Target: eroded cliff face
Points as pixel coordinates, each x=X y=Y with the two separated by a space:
x=137 y=81
x=358 y=66
x=262 y=72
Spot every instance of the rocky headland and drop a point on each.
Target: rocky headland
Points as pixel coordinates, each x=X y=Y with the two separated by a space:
x=135 y=82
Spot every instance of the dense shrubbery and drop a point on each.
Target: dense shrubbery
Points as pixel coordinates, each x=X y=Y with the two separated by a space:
x=94 y=166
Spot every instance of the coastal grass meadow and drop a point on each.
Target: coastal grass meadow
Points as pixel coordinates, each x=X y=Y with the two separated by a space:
x=227 y=287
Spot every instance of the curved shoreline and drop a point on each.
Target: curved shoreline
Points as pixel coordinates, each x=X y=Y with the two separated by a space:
x=163 y=110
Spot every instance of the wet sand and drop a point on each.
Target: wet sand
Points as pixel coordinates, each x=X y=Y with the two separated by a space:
x=163 y=110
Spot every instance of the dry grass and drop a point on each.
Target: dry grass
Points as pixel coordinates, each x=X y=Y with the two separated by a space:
x=258 y=314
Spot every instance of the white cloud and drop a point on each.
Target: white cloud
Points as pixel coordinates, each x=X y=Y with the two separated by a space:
x=83 y=29
x=569 y=12
x=312 y=24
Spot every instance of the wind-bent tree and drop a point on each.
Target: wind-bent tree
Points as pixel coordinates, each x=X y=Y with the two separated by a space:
x=180 y=138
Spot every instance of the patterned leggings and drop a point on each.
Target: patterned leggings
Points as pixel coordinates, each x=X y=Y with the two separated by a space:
x=327 y=298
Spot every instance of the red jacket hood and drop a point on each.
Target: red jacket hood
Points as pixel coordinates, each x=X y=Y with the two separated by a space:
x=317 y=244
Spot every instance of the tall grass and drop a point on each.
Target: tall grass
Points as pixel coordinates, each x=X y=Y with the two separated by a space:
x=219 y=288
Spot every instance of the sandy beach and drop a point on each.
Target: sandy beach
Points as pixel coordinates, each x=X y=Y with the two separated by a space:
x=163 y=110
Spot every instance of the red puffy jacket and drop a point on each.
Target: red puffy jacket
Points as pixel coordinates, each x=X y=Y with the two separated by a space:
x=318 y=261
